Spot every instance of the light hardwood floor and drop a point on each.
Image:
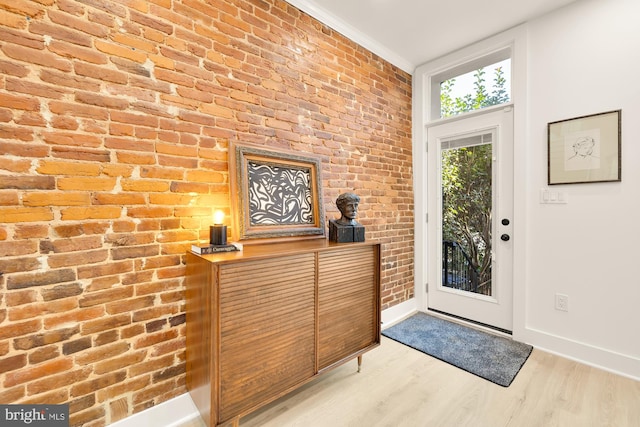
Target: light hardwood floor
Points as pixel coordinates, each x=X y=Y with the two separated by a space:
x=401 y=387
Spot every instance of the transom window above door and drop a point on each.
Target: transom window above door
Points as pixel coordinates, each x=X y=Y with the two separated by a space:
x=481 y=83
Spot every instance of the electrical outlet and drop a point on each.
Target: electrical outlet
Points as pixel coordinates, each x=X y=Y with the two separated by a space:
x=562 y=302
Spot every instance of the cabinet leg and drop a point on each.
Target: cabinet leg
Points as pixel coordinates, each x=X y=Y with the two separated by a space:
x=359 y=363
x=235 y=422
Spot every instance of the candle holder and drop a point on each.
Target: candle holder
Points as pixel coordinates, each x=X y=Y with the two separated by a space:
x=218 y=234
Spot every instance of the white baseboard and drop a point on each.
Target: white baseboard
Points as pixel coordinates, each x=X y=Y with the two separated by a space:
x=172 y=413
x=607 y=360
x=398 y=312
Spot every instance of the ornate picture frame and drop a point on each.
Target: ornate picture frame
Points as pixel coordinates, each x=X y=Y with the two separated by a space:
x=276 y=194
x=585 y=149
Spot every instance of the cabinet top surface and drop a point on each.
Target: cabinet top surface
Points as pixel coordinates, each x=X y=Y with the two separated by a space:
x=262 y=250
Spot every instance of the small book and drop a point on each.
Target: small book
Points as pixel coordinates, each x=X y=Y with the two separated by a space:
x=212 y=249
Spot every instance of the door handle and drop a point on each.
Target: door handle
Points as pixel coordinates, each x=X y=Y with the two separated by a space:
x=505 y=237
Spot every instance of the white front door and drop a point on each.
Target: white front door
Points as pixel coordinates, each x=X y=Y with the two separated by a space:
x=470 y=270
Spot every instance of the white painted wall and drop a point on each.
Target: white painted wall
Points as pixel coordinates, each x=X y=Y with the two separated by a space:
x=585 y=59
x=582 y=59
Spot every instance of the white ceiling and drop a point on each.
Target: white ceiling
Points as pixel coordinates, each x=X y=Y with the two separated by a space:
x=409 y=33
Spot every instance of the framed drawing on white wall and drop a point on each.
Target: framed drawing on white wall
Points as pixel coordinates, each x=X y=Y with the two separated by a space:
x=585 y=149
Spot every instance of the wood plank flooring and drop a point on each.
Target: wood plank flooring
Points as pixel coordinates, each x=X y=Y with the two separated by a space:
x=401 y=387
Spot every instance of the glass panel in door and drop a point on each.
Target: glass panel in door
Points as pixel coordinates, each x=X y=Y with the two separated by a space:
x=466 y=213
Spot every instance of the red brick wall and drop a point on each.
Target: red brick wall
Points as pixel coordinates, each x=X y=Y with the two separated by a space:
x=115 y=118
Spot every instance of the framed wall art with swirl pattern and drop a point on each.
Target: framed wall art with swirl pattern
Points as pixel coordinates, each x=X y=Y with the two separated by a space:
x=275 y=194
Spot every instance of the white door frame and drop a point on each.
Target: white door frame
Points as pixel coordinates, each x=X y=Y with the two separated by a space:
x=516 y=40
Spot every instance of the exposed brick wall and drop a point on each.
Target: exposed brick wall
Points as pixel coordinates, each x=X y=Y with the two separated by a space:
x=115 y=118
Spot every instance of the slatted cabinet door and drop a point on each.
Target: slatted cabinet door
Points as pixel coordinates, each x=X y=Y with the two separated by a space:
x=348 y=303
x=267 y=329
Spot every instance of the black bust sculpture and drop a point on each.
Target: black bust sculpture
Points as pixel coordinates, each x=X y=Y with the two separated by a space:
x=346 y=229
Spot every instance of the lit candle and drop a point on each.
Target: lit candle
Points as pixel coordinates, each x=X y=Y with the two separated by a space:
x=218 y=231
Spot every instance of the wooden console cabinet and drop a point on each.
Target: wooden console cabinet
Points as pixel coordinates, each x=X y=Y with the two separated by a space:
x=263 y=321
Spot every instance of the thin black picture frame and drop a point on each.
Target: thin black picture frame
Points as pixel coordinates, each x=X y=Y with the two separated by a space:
x=585 y=149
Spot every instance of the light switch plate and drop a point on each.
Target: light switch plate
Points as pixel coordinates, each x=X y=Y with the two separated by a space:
x=552 y=196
